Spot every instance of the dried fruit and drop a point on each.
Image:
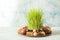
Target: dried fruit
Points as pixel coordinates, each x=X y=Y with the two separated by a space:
x=22 y=31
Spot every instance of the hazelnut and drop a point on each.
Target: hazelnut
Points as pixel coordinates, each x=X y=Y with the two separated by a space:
x=19 y=31
x=22 y=31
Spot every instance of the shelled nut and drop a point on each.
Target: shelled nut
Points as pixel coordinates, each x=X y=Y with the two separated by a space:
x=35 y=34
x=34 y=30
x=47 y=29
x=22 y=31
x=29 y=34
x=42 y=33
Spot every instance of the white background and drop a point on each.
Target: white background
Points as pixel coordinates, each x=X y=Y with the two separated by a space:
x=13 y=12
x=7 y=12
